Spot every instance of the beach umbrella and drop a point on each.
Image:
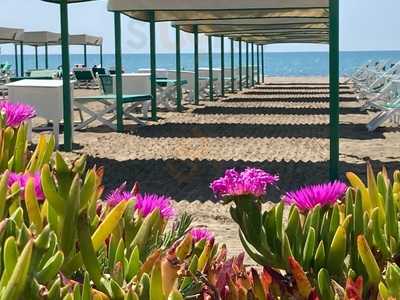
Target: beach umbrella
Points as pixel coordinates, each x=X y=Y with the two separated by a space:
x=39 y=39
x=87 y=40
x=12 y=36
x=66 y=69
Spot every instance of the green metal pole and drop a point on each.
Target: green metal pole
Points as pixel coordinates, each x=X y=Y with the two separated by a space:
x=222 y=67
x=46 y=56
x=258 y=64
x=21 y=45
x=232 y=67
x=196 y=64
x=118 y=71
x=334 y=88
x=210 y=68
x=262 y=64
x=247 y=65
x=153 y=76
x=240 y=65
x=178 y=68
x=16 y=60
x=36 y=58
x=67 y=109
x=252 y=64
x=85 y=55
x=101 y=56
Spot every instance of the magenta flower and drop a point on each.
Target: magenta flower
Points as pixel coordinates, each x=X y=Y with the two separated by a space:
x=310 y=196
x=16 y=113
x=22 y=180
x=199 y=234
x=251 y=181
x=147 y=203
x=118 y=195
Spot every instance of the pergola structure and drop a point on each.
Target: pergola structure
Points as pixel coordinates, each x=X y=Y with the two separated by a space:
x=38 y=39
x=87 y=40
x=12 y=36
x=208 y=11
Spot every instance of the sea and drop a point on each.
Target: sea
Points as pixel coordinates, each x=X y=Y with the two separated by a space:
x=276 y=63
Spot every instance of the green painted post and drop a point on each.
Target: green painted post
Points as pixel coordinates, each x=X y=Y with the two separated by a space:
x=16 y=60
x=222 y=67
x=153 y=76
x=240 y=65
x=210 y=68
x=85 y=55
x=196 y=64
x=178 y=69
x=262 y=64
x=21 y=45
x=101 y=56
x=67 y=109
x=36 y=58
x=46 y=56
x=247 y=65
x=118 y=71
x=258 y=64
x=334 y=88
x=252 y=64
x=232 y=66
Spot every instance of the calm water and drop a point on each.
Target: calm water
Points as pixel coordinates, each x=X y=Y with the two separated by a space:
x=276 y=64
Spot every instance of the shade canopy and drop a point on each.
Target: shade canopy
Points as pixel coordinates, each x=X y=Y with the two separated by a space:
x=68 y=1
x=84 y=39
x=178 y=10
x=298 y=39
x=210 y=26
x=41 y=38
x=10 y=35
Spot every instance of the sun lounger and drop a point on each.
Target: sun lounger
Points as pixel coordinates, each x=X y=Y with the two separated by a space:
x=166 y=92
x=109 y=100
x=188 y=88
x=84 y=77
x=388 y=112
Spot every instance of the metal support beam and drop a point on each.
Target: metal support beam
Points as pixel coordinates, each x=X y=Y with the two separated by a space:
x=153 y=63
x=232 y=66
x=178 y=69
x=210 y=68
x=46 y=56
x=67 y=108
x=240 y=65
x=85 y=55
x=21 y=46
x=262 y=64
x=247 y=65
x=196 y=64
x=222 y=67
x=36 y=58
x=16 y=60
x=334 y=88
x=252 y=64
x=258 y=64
x=118 y=71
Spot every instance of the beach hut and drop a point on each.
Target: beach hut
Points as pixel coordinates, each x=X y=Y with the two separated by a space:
x=12 y=36
x=38 y=39
x=87 y=40
x=193 y=10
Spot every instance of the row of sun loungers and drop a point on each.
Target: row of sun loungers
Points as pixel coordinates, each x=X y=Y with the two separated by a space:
x=378 y=86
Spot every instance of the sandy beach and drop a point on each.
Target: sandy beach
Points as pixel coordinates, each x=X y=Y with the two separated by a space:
x=280 y=126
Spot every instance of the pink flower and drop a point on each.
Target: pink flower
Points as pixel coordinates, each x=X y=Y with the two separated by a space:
x=22 y=180
x=147 y=203
x=118 y=195
x=251 y=181
x=310 y=196
x=16 y=113
x=199 y=234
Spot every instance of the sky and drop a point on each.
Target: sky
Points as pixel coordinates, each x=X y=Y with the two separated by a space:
x=364 y=25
